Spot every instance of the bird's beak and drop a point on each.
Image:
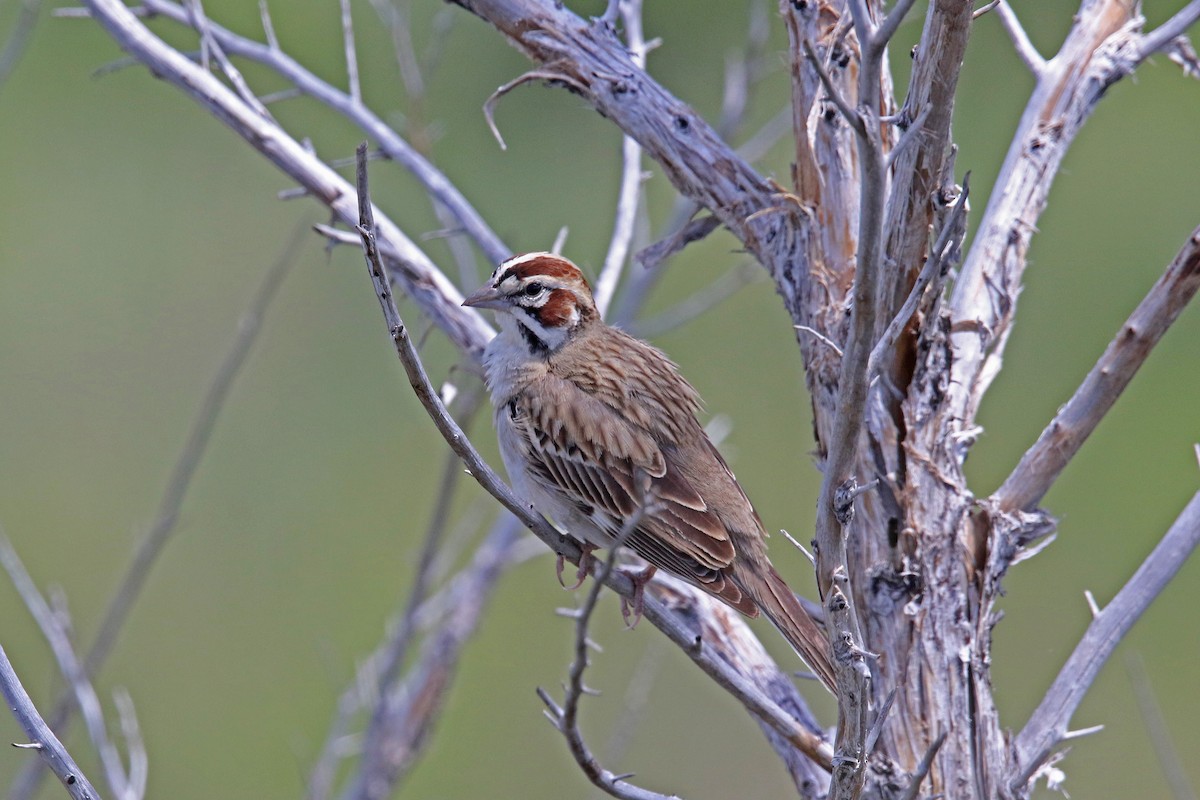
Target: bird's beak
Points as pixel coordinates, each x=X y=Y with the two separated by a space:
x=486 y=297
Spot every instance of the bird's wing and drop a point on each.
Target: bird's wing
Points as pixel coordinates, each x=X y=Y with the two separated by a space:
x=606 y=466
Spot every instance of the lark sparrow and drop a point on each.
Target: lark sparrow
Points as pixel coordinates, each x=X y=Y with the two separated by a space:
x=593 y=422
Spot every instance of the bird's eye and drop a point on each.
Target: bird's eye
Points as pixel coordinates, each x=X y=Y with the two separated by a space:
x=534 y=289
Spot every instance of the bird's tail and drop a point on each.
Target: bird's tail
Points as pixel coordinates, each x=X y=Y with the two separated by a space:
x=779 y=603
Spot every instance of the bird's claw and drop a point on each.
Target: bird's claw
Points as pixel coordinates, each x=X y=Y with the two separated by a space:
x=585 y=566
x=633 y=606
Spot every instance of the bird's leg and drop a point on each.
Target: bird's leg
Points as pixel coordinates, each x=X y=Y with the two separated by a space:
x=585 y=566
x=632 y=607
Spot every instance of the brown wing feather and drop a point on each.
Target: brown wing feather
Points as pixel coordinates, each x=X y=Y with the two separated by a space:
x=570 y=434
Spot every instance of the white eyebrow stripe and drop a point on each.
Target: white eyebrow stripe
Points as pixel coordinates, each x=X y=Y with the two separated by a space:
x=521 y=259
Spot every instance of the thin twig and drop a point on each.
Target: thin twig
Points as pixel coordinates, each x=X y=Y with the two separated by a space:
x=390 y=142
x=636 y=703
x=831 y=90
x=631 y=175
x=42 y=739
x=268 y=27
x=1021 y=43
x=152 y=543
x=386 y=663
x=691 y=231
x=395 y=653
x=944 y=253
x=922 y=770
x=566 y=718
x=984 y=9
x=489 y=105
x=1042 y=463
x=351 y=54
x=71 y=668
x=210 y=47
x=135 y=746
x=909 y=138
x=1047 y=727
x=822 y=338
x=415 y=704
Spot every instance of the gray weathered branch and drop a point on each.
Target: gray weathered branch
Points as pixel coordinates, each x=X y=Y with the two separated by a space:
x=41 y=738
x=1048 y=726
x=407 y=264
x=1125 y=354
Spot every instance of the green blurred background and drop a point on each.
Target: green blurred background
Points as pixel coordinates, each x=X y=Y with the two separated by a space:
x=134 y=228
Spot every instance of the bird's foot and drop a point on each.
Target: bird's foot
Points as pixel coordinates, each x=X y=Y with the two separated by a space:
x=585 y=566
x=632 y=607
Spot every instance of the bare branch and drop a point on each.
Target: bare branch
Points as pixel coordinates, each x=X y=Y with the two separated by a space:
x=631 y=175
x=152 y=543
x=414 y=706
x=135 y=747
x=390 y=142
x=566 y=718
x=891 y=23
x=407 y=264
x=71 y=668
x=1161 y=37
x=1047 y=727
x=1125 y=354
x=489 y=105
x=1102 y=47
x=831 y=89
x=41 y=737
x=351 y=55
x=1025 y=49
x=18 y=38
x=918 y=776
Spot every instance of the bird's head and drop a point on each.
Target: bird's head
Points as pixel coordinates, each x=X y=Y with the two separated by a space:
x=541 y=296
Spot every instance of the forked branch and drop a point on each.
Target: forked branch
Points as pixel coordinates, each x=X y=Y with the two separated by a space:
x=1047 y=728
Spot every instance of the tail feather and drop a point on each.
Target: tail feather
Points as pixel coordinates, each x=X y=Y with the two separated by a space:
x=780 y=605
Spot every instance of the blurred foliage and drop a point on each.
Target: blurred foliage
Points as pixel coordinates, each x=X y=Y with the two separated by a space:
x=135 y=227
